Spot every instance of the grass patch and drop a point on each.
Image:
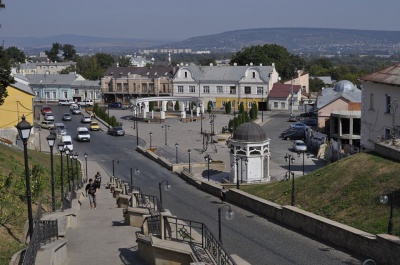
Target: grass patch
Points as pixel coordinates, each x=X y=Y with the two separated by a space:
x=346 y=191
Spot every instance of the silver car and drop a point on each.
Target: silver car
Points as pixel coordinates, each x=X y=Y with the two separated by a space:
x=299 y=146
x=48 y=117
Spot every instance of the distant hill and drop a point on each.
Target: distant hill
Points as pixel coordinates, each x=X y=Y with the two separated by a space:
x=296 y=40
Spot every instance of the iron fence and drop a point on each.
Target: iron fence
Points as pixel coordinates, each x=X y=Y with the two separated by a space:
x=43 y=232
x=149 y=201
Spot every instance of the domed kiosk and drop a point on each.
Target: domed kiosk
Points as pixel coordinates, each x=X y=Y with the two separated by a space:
x=249 y=152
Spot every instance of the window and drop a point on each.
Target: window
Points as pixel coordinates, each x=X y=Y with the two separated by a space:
x=144 y=88
x=254 y=74
x=119 y=86
x=275 y=105
x=76 y=91
x=232 y=90
x=220 y=90
x=387 y=134
x=47 y=95
x=387 y=104
x=192 y=89
x=185 y=74
x=371 y=101
x=206 y=89
x=247 y=90
x=54 y=94
x=151 y=87
x=283 y=105
x=65 y=93
x=180 y=89
x=126 y=88
x=260 y=90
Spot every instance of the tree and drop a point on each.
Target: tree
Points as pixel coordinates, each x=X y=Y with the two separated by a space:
x=241 y=108
x=124 y=61
x=176 y=106
x=209 y=106
x=69 y=69
x=15 y=55
x=228 y=107
x=5 y=74
x=69 y=52
x=315 y=84
x=207 y=61
x=151 y=105
x=53 y=53
x=267 y=54
x=104 y=60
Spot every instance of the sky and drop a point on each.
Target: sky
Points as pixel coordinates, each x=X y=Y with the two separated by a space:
x=176 y=20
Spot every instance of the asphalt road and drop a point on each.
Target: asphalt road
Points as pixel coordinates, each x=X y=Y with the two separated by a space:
x=256 y=239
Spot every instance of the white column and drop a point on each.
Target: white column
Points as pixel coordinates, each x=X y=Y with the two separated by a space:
x=164 y=105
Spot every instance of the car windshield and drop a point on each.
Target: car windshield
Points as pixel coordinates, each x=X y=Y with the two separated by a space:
x=83 y=132
x=118 y=129
x=67 y=143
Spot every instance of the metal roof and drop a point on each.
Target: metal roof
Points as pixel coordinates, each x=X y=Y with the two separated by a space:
x=389 y=75
x=249 y=132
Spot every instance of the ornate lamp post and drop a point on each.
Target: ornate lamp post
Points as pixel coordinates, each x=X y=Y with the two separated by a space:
x=113 y=166
x=165 y=127
x=24 y=131
x=76 y=168
x=40 y=139
x=176 y=152
x=208 y=159
x=308 y=156
x=66 y=150
x=71 y=158
x=290 y=159
x=386 y=197
x=167 y=187
x=51 y=139
x=86 y=174
x=61 y=146
x=189 y=151
x=228 y=215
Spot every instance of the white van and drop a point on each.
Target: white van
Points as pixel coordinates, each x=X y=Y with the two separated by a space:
x=82 y=134
x=67 y=140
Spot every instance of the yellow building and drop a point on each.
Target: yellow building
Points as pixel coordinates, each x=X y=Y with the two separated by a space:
x=18 y=102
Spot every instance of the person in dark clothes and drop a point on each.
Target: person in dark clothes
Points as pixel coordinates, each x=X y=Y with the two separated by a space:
x=91 y=190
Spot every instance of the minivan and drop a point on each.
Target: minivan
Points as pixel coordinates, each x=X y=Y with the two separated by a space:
x=60 y=128
x=67 y=140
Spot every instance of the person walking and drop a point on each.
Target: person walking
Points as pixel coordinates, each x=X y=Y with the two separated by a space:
x=97 y=180
x=91 y=190
x=223 y=194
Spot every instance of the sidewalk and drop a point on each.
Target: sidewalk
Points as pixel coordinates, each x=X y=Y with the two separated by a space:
x=100 y=236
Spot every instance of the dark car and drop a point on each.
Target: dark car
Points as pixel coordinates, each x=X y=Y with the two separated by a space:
x=116 y=131
x=117 y=105
x=310 y=114
x=311 y=122
x=294 y=135
x=291 y=130
x=293 y=118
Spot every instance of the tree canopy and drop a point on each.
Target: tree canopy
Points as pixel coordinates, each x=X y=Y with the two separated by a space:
x=285 y=62
x=5 y=75
x=69 y=52
x=124 y=61
x=15 y=55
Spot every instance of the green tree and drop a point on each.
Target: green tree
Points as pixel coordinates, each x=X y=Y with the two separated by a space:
x=89 y=68
x=15 y=55
x=228 y=107
x=241 y=108
x=104 y=60
x=316 y=84
x=69 y=52
x=53 y=53
x=151 y=105
x=5 y=75
x=209 y=106
x=207 y=61
x=267 y=54
x=253 y=111
x=177 y=106
x=124 y=61
x=69 y=69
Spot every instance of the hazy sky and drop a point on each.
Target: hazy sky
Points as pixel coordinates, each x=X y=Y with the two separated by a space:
x=182 y=19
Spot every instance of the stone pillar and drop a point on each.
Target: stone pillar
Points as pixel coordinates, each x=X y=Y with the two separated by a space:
x=164 y=105
x=162 y=115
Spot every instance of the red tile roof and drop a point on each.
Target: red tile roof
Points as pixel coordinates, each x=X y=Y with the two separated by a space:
x=280 y=90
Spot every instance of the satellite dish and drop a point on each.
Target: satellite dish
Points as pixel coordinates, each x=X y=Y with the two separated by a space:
x=137 y=171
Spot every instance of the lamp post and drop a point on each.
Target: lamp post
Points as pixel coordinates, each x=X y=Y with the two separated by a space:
x=262 y=104
x=385 y=198
x=61 y=146
x=76 y=168
x=114 y=166
x=40 y=140
x=71 y=157
x=137 y=125
x=165 y=127
x=150 y=133
x=212 y=117
x=51 y=139
x=24 y=131
x=308 y=156
x=86 y=174
x=290 y=159
x=208 y=159
x=66 y=150
x=176 y=152
x=190 y=171
x=167 y=187
x=228 y=215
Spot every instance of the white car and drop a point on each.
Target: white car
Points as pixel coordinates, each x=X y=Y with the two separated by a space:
x=82 y=134
x=48 y=117
x=47 y=125
x=65 y=102
x=74 y=106
x=299 y=146
x=85 y=103
x=86 y=119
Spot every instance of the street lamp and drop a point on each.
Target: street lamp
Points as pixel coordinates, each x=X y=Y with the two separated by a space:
x=24 y=131
x=114 y=166
x=71 y=157
x=150 y=133
x=167 y=187
x=40 y=140
x=137 y=125
x=384 y=198
x=228 y=215
x=308 y=156
x=76 y=168
x=176 y=152
x=86 y=174
x=51 y=139
x=290 y=159
x=190 y=171
x=212 y=117
x=66 y=150
x=262 y=104
x=165 y=127
x=61 y=146
x=208 y=159
x=236 y=162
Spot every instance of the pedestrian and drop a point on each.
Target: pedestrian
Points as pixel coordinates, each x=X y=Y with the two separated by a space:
x=91 y=190
x=97 y=180
x=223 y=194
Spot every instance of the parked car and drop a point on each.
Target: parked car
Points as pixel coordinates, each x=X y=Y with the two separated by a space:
x=82 y=134
x=94 y=126
x=291 y=130
x=86 y=119
x=298 y=125
x=299 y=146
x=311 y=122
x=45 y=109
x=61 y=129
x=85 y=103
x=66 y=117
x=293 y=118
x=116 y=131
x=65 y=102
x=47 y=125
x=117 y=105
x=309 y=114
x=294 y=135
x=48 y=117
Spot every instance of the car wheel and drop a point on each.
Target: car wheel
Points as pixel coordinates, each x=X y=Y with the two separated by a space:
x=287 y=138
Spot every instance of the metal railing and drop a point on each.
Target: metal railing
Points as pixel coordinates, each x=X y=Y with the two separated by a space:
x=150 y=202
x=43 y=232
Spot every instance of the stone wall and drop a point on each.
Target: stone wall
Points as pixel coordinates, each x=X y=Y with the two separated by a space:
x=388 y=151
